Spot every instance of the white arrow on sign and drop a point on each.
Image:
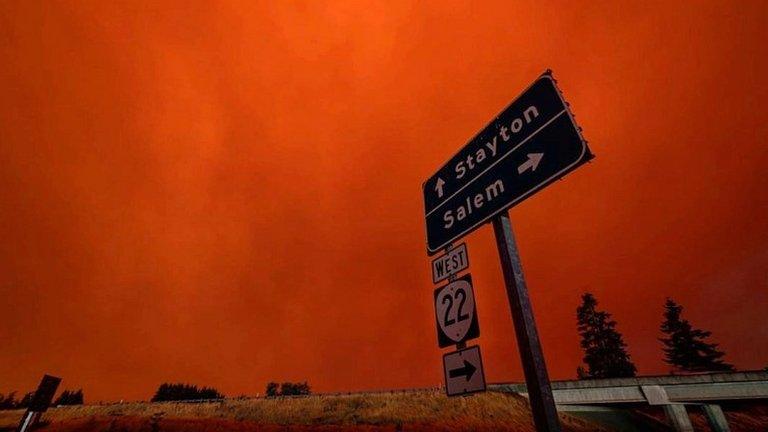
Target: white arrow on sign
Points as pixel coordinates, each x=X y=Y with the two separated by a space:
x=532 y=162
x=439 y=187
x=463 y=371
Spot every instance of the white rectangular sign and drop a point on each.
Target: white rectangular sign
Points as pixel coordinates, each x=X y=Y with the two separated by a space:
x=451 y=263
x=463 y=372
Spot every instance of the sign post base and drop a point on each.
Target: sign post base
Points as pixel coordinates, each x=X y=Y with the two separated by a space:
x=536 y=378
x=29 y=419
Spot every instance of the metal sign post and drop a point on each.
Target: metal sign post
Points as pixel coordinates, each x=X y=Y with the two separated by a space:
x=536 y=378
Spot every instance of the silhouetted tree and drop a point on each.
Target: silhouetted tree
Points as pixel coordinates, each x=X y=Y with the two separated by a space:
x=605 y=352
x=294 y=389
x=287 y=389
x=685 y=347
x=581 y=373
x=70 y=397
x=272 y=389
x=26 y=400
x=8 y=402
x=176 y=392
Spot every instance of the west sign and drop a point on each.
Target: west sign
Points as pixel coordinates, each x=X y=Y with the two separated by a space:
x=532 y=143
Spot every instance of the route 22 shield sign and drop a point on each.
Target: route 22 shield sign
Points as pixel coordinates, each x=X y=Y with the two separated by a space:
x=455 y=312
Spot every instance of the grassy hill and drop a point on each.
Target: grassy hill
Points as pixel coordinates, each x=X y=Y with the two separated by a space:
x=417 y=411
x=424 y=411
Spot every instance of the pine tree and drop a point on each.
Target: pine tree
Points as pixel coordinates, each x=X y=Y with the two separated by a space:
x=179 y=391
x=25 y=400
x=77 y=397
x=70 y=397
x=8 y=402
x=685 y=347
x=605 y=353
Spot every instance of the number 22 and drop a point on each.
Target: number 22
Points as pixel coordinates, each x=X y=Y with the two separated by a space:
x=460 y=316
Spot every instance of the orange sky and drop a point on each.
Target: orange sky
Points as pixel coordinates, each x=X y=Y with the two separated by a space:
x=231 y=194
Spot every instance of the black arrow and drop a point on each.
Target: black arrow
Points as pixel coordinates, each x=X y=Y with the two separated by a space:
x=467 y=370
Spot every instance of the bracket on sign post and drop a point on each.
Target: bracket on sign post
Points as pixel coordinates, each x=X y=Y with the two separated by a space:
x=448 y=248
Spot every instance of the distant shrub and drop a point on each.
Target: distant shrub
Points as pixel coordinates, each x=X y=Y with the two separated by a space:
x=294 y=389
x=272 y=389
x=287 y=389
x=8 y=402
x=70 y=397
x=179 y=392
x=26 y=400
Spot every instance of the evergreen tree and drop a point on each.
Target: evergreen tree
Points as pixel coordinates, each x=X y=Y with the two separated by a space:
x=605 y=353
x=8 y=402
x=272 y=389
x=288 y=389
x=179 y=391
x=294 y=389
x=70 y=397
x=26 y=400
x=685 y=347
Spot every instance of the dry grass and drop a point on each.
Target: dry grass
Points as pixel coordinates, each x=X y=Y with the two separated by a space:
x=748 y=416
x=407 y=411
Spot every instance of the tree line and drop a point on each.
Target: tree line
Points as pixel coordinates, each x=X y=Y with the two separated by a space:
x=165 y=392
x=180 y=392
x=186 y=392
x=67 y=397
x=685 y=347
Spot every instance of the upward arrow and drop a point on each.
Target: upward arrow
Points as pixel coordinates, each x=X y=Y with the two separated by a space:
x=532 y=162
x=467 y=370
x=439 y=187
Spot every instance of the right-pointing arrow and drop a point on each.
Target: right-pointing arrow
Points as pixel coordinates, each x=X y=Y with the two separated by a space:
x=467 y=370
x=532 y=162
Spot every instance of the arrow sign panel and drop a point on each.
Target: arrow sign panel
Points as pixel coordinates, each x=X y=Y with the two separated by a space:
x=463 y=372
x=532 y=143
x=455 y=312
